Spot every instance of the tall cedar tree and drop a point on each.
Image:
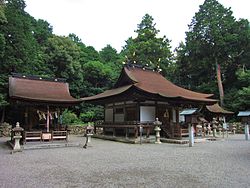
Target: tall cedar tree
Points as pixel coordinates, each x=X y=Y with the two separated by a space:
x=214 y=36
x=147 y=48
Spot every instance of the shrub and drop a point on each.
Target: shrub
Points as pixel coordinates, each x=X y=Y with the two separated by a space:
x=87 y=116
x=69 y=117
x=91 y=113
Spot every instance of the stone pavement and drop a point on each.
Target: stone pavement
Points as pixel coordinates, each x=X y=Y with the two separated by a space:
x=221 y=163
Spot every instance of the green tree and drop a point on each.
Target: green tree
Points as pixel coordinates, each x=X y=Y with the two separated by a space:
x=148 y=48
x=91 y=113
x=42 y=30
x=239 y=99
x=110 y=57
x=109 y=54
x=98 y=77
x=63 y=61
x=20 y=51
x=3 y=21
x=214 y=37
x=87 y=53
x=3 y=96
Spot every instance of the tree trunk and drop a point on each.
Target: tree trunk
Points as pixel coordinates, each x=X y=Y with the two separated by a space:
x=219 y=81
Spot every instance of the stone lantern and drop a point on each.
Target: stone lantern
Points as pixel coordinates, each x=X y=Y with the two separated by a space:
x=204 y=129
x=209 y=130
x=89 y=133
x=245 y=119
x=220 y=122
x=199 y=129
x=214 y=126
x=157 y=130
x=17 y=135
x=234 y=128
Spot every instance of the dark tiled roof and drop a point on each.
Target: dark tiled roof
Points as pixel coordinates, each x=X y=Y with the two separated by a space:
x=151 y=82
x=215 y=108
x=40 y=90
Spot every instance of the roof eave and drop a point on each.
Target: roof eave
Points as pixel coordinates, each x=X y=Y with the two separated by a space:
x=47 y=101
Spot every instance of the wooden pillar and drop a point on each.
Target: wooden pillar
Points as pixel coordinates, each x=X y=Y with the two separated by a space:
x=136 y=132
x=171 y=120
x=104 y=130
x=48 y=118
x=104 y=109
x=138 y=111
x=60 y=117
x=113 y=112
x=148 y=131
x=156 y=110
x=177 y=116
x=124 y=112
x=26 y=118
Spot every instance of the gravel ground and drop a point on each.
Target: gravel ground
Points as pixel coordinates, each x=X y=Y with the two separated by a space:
x=224 y=163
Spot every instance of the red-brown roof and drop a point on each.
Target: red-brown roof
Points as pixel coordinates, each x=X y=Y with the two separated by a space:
x=35 y=90
x=152 y=82
x=109 y=93
x=215 y=108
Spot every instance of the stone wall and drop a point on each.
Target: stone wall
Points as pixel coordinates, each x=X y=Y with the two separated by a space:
x=77 y=129
x=80 y=130
x=5 y=129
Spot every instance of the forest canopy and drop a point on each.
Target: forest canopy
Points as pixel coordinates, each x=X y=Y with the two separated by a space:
x=29 y=46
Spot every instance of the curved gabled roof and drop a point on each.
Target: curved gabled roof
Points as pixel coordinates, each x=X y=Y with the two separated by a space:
x=151 y=82
x=154 y=82
x=217 y=109
x=40 y=90
x=109 y=93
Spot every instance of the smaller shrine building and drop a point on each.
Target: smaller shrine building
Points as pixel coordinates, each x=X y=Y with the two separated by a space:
x=38 y=102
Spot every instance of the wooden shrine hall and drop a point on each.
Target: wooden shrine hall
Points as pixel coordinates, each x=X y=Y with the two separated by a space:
x=139 y=97
x=38 y=104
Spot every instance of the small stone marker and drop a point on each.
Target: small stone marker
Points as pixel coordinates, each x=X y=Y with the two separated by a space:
x=245 y=119
x=191 y=135
x=246 y=131
x=141 y=131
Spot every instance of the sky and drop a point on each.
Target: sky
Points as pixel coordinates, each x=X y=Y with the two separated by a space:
x=102 y=22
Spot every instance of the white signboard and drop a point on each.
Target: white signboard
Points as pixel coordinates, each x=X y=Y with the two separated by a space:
x=147 y=113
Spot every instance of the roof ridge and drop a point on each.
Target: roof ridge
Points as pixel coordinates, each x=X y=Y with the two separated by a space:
x=36 y=77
